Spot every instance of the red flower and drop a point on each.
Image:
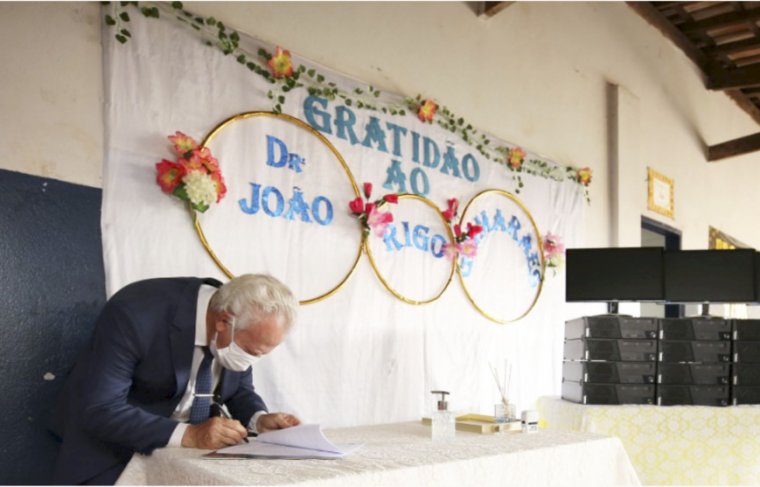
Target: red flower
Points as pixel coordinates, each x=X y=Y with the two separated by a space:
x=280 y=64
x=451 y=211
x=356 y=206
x=473 y=230
x=457 y=230
x=367 y=190
x=169 y=175
x=427 y=110
x=391 y=198
x=369 y=207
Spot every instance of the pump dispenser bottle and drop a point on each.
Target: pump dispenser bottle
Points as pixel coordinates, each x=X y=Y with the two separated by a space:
x=442 y=420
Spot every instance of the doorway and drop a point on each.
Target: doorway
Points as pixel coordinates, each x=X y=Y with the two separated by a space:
x=656 y=234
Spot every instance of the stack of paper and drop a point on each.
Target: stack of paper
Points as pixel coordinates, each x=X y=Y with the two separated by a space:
x=303 y=441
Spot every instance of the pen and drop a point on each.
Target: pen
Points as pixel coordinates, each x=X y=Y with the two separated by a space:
x=224 y=413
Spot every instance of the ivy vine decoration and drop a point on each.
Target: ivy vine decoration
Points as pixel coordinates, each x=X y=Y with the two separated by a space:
x=581 y=176
x=279 y=69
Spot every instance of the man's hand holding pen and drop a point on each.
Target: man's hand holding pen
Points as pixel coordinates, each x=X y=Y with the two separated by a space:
x=214 y=433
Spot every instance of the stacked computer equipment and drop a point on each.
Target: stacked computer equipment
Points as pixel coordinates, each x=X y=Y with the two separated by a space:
x=694 y=361
x=701 y=360
x=610 y=359
x=746 y=366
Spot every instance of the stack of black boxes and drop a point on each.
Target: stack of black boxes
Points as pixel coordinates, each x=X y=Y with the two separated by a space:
x=610 y=359
x=702 y=360
x=694 y=361
x=746 y=373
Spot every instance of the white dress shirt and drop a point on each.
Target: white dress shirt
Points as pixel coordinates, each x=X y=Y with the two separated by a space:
x=182 y=412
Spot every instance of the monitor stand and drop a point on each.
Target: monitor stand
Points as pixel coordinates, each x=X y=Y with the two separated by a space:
x=612 y=307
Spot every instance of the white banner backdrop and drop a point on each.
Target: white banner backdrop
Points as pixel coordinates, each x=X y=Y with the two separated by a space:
x=362 y=355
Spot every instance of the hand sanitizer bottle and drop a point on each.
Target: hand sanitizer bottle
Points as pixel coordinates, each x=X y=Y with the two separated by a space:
x=443 y=421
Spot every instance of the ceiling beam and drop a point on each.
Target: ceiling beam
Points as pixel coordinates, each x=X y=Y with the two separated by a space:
x=745 y=104
x=661 y=23
x=736 y=147
x=721 y=79
x=732 y=47
x=743 y=17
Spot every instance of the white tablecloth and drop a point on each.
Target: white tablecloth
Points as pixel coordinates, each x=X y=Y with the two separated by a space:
x=403 y=454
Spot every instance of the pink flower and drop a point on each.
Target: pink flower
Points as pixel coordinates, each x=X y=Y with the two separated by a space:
x=553 y=245
x=468 y=248
x=378 y=221
x=450 y=250
x=182 y=143
x=554 y=250
x=356 y=206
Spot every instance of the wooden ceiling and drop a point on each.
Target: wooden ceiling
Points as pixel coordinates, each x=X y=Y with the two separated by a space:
x=721 y=38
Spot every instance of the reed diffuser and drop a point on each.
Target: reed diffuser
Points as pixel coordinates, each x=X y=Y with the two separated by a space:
x=503 y=411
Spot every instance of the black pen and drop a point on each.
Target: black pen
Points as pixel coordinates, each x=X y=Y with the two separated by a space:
x=224 y=413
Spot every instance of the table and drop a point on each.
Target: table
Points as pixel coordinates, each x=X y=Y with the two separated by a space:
x=403 y=454
x=682 y=445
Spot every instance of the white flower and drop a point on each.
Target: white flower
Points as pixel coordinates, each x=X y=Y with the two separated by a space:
x=200 y=188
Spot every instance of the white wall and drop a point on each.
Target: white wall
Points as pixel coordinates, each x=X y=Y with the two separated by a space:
x=536 y=74
x=51 y=90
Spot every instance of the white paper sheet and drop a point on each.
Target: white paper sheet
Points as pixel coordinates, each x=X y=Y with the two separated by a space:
x=303 y=441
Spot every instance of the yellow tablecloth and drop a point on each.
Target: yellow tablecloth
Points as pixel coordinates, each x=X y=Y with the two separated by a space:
x=681 y=445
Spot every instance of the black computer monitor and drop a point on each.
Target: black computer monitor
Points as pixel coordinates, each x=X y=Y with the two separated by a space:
x=710 y=276
x=614 y=274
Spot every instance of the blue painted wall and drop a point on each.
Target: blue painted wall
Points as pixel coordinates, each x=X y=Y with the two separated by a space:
x=51 y=290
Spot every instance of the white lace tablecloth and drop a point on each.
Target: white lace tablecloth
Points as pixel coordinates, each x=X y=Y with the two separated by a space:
x=403 y=454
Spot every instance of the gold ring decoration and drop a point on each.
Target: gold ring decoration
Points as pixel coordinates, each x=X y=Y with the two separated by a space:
x=299 y=123
x=479 y=258
x=386 y=284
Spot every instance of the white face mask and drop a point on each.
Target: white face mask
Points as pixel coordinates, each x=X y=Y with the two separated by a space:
x=232 y=357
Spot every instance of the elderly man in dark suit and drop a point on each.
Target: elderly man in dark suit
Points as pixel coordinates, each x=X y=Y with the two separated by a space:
x=138 y=383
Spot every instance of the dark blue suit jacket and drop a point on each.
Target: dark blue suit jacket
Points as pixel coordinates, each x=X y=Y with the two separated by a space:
x=120 y=394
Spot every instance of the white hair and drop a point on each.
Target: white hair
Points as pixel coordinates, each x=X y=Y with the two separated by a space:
x=251 y=297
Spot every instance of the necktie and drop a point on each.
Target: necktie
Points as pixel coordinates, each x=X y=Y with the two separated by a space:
x=199 y=411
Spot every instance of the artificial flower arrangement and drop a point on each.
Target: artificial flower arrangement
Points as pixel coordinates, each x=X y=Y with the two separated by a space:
x=369 y=214
x=464 y=241
x=515 y=157
x=584 y=176
x=195 y=177
x=426 y=110
x=554 y=252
